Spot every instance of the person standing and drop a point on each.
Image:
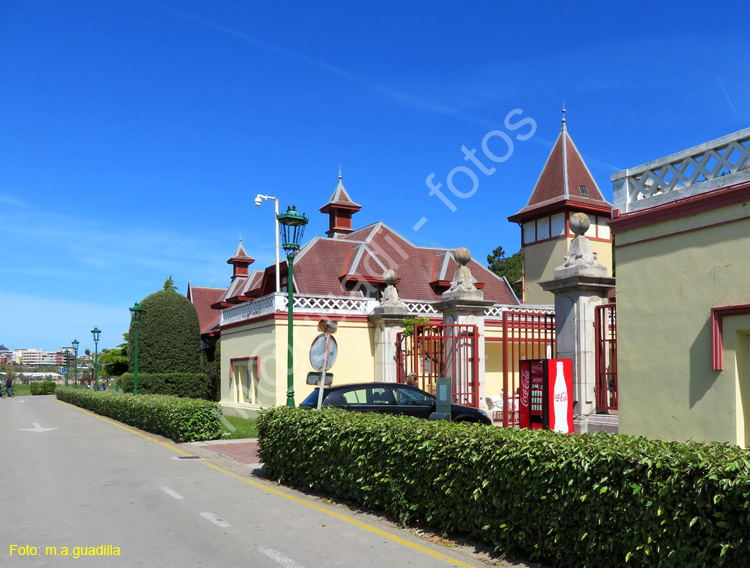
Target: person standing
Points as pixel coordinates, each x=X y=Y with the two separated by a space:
x=9 y=386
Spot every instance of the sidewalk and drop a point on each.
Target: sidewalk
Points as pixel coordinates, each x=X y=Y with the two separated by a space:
x=243 y=451
x=245 y=454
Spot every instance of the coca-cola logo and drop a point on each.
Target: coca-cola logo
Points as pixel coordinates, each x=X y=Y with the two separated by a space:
x=525 y=387
x=561 y=397
x=537 y=367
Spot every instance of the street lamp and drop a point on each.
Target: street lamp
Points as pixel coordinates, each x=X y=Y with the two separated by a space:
x=75 y=376
x=292 y=229
x=95 y=333
x=136 y=314
x=259 y=202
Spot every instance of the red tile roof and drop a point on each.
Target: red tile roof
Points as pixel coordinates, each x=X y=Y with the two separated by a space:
x=325 y=265
x=560 y=183
x=340 y=200
x=202 y=298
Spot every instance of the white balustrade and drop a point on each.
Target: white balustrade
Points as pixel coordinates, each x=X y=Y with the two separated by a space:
x=420 y=308
x=498 y=310
x=343 y=305
x=700 y=169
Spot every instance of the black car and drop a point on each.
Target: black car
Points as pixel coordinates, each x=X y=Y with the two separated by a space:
x=390 y=398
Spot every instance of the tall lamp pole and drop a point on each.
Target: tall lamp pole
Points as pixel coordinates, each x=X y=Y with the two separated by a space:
x=75 y=375
x=136 y=315
x=292 y=228
x=95 y=333
x=258 y=202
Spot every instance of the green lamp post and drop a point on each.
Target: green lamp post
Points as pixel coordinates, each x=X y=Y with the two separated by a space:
x=292 y=229
x=74 y=343
x=136 y=315
x=95 y=333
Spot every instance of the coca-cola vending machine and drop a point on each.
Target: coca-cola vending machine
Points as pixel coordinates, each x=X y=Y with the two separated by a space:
x=546 y=397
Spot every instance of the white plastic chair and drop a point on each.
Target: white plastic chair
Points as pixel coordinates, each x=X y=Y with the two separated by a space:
x=495 y=406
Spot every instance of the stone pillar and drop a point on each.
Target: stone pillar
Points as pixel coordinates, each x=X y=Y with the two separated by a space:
x=388 y=319
x=464 y=304
x=579 y=285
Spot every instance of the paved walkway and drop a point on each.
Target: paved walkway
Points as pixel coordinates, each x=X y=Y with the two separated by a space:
x=243 y=451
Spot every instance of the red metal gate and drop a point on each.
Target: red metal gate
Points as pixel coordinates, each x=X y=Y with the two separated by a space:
x=605 y=323
x=526 y=335
x=441 y=350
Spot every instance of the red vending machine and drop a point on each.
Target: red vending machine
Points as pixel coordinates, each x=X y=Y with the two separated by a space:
x=546 y=396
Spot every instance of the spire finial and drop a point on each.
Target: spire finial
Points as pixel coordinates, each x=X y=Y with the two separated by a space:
x=339 y=172
x=564 y=128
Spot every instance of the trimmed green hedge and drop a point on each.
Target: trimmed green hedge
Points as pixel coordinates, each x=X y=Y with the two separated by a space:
x=169 y=335
x=577 y=501
x=46 y=387
x=181 y=419
x=189 y=385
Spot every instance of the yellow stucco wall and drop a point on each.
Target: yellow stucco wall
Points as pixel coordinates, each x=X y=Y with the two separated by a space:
x=541 y=259
x=666 y=289
x=267 y=340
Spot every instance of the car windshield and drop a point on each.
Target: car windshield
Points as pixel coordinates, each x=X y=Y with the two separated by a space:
x=312 y=400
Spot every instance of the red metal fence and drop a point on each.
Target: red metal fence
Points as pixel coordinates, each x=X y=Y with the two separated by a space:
x=526 y=335
x=441 y=350
x=605 y=323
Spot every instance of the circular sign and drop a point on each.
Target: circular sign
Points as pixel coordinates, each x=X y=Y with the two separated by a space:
x=318 y=352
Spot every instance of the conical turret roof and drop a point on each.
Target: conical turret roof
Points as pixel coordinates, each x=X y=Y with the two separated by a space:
x=565 y=183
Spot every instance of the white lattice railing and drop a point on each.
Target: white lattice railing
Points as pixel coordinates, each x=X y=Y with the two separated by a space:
x=703 y=168
x=420 y=308
x=265 y=305
x=333 y=304
x=498 y=310
x=342 y=305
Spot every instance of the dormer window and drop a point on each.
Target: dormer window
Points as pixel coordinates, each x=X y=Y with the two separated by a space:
x=584 y=191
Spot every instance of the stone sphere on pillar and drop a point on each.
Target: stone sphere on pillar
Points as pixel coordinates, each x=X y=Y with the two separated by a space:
x=579 y=223
x=390 y=277
x=462 y=256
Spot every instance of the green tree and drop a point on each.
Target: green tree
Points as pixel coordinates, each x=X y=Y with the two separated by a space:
x=511 y=267
x=169 y=284
x=114 y=362
x=168 y=336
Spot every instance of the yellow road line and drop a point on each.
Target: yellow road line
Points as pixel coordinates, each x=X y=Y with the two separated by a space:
x=340 y=516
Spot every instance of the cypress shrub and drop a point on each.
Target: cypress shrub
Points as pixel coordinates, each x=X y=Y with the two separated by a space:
x=168 y=348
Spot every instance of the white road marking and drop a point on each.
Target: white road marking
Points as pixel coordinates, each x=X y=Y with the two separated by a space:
x=37 y=428
x=216 y=520
x=171 y=493
x=276 y=556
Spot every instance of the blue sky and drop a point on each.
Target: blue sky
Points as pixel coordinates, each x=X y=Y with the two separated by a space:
x=134 y=135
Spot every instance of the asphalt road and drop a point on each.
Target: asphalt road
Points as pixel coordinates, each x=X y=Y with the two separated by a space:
x=70 y=481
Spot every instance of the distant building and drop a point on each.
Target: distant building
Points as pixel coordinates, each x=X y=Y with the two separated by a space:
x=40 y=357
x=6 y=355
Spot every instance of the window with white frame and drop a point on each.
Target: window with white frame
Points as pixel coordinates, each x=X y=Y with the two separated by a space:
x=244 y=383
x=542 y=229
x=557 y=225
x=529 y=232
